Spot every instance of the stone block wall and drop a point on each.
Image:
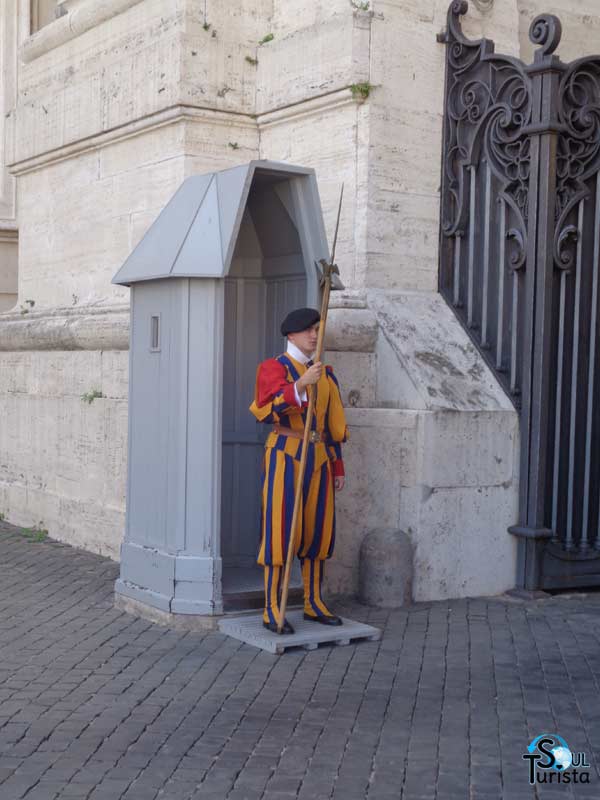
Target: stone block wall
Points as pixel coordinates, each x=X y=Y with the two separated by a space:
x=64 y=460
x=104 y=130
x=8 y=270
x=117 y=103
x=433 y=450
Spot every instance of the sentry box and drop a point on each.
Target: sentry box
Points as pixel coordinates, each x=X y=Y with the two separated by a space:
x=229 y=256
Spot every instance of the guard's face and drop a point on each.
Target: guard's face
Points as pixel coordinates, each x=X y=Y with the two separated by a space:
x=306 y=340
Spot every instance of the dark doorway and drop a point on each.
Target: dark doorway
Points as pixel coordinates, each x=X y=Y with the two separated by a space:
x=268 y=278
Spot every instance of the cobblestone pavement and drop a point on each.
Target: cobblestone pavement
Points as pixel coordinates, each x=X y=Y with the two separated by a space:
x=97 y=704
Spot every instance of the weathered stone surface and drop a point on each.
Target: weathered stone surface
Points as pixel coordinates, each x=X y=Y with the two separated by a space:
x=436 y=356
x=288 y=72
x=386 y=569
x=62 y=457
x=146 y=59
x=178 y=622
x=330 y=134
x=459 y=443
x=8 y=270
x=82 y=17
x=450 y=480
x=66 y=329
x=351 y=330
x=462 y=546
x=469 y=449
x=405 y=130
x=380 y=457
x=348 y=298
x=356 y=374
x=580 y=27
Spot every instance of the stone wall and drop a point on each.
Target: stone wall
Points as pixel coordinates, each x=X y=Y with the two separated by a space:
x=118 y=102
x=580 y=26
x=8 y=271
x=8 y=221
x=405 y=133
x=107 y=125
x=433 y=449
x=64 y=459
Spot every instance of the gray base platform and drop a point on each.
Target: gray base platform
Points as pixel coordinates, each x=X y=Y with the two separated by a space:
x=309 y=635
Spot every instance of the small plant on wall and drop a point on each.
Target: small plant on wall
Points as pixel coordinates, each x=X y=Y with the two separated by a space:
x=89 y=397
x=27 y=306
x=35 y=534
x=361 y=91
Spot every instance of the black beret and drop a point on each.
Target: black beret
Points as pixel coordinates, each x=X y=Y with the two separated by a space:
x=299 y=320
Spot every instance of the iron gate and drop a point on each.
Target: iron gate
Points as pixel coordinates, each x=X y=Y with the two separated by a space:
x=520 y=264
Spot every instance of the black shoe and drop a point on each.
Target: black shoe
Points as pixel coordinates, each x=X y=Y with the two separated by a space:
x=272 y=626
x=324 y=619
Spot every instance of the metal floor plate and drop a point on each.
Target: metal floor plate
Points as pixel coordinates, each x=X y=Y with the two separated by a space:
x=309 y=635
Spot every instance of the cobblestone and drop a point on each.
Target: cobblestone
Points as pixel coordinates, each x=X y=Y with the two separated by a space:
x=97 y=704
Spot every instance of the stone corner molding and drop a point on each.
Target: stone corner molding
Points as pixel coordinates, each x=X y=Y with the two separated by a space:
x=85 y=328
x=80 y=19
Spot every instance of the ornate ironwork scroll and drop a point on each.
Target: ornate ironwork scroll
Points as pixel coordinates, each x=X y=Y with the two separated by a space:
x=520 y=265
x=578 y=155
x=487 y=110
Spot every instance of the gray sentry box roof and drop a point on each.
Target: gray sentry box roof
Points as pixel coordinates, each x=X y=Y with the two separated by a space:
x=196 y=233
x=231 y=253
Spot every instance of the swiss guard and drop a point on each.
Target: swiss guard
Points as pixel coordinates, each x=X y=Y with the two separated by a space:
x=280 y=399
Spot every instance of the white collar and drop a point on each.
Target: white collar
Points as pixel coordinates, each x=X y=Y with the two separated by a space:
x=296 y=353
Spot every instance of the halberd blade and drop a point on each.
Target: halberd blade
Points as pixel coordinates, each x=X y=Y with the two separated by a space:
x=325 y=270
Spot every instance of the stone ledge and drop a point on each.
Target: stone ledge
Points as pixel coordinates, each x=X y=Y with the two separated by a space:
x=88 y=328
x=382 y=417
x=177 y=114
x=427 y=359
x=167 y=116
x=307 y=107
x=107 y=328
x=8 y=233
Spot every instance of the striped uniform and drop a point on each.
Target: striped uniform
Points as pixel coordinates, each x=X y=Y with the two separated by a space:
x=275 y=402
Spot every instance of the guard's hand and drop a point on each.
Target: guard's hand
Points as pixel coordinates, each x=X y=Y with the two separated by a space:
x=312 y=375
x=339 y=483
